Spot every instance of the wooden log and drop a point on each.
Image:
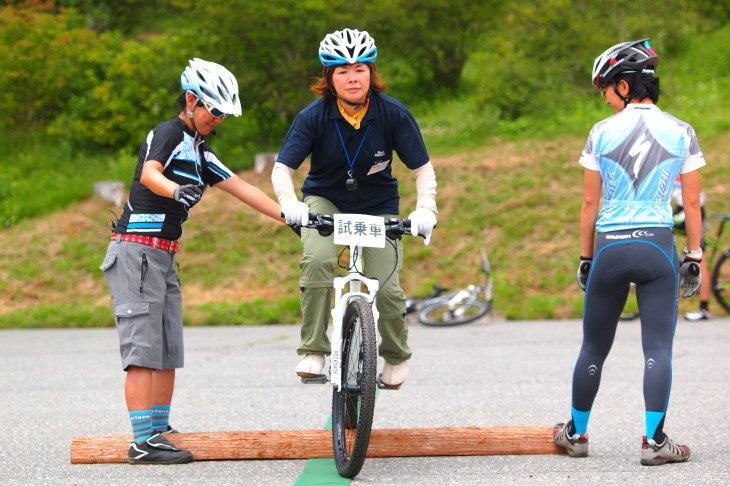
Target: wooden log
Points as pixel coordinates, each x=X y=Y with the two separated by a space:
x=306 y=444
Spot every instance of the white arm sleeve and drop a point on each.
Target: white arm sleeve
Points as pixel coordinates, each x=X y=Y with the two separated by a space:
x=426 y=187
x=281 y=178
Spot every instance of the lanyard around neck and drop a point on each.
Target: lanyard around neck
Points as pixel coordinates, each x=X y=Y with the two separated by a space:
x=351 y=162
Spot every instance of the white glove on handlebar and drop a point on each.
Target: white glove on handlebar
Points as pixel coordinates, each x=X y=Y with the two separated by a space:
x=422 y=223
x=294 y=211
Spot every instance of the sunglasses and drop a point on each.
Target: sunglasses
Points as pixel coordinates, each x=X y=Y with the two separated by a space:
x=215 y=112
x=603 y=87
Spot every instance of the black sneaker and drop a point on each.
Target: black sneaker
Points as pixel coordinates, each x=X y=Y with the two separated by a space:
x=157 y=450
x=166 y=430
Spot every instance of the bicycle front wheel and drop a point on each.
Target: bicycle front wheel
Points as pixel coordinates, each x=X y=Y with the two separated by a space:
x=441 y=313
x=353 y=406
x=721 y=281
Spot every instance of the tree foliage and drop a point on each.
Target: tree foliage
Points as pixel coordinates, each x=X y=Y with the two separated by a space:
x=102 y=73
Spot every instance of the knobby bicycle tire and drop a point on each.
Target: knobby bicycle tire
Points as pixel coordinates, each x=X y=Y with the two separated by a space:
x=353 y=406
x=721 y=281
x=438 y=313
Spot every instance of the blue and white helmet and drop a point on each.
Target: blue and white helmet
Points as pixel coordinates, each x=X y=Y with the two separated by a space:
x=347 y=47
x=213 y=84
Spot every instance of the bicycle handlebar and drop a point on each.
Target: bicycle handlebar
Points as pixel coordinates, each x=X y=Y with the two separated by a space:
x=325 y=225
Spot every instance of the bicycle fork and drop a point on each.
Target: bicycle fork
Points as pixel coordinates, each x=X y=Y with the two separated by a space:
x=342 y=300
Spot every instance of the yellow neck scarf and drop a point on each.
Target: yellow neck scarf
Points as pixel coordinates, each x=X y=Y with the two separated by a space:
x=352 y=120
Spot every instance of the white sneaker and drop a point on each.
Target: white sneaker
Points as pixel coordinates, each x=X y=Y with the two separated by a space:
x=311 y=366
x=393 y=376
x=698 y=315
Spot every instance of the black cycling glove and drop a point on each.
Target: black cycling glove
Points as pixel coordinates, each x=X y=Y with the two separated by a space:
x=188 y=194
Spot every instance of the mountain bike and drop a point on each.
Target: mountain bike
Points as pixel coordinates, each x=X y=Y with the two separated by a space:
x=444 y=308
x=719 y=269
x=353 y=362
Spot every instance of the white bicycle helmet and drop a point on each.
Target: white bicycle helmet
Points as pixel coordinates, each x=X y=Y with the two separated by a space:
x=626 y=57
x=213 y=84
x=347 y=47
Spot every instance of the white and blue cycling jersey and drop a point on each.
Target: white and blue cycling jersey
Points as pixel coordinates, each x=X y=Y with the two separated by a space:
x=639 y=152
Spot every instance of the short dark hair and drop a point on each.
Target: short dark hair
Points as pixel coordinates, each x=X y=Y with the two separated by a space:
x=181 y=103
x=641 y=86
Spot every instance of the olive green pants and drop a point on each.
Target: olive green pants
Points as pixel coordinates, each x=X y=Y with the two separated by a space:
x=318 y=264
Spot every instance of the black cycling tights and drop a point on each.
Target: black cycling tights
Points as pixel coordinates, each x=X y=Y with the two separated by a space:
x=648 y=258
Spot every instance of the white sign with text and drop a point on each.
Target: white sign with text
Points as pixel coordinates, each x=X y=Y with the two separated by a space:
x=359 y=230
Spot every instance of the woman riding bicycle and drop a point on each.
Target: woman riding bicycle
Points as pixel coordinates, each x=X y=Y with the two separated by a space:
x=634 y=156
x=351 y=132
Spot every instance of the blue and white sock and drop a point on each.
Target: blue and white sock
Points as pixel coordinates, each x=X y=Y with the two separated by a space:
x=160 y=417
x=141 y=425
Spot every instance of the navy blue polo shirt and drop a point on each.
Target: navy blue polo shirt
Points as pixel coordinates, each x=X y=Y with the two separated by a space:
x=320 y=130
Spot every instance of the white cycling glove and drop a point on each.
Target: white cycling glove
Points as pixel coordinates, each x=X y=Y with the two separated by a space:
x=584 y=268
x=690 y=277
x=294 y=211
x=422 y=223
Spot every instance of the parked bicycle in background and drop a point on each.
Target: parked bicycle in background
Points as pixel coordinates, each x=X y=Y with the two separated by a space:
x=718 y=264
x=444 y=308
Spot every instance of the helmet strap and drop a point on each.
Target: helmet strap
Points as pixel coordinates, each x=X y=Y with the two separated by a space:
x=191 y=111
x=334 y=93
x=625 y=99
x=356 y=105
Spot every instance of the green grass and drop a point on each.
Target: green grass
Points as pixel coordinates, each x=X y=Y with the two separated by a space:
x=513 y=187
x=58 y=316
x=40 y=174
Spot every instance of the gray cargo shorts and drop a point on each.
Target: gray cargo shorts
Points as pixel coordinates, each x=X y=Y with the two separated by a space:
x=145 y=293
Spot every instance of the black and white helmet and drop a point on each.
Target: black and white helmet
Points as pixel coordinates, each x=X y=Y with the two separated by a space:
x=626 y=57
x=213 y=84
x=347 y=47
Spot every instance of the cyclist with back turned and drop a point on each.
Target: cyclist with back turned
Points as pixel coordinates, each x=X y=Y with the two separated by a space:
x=633 y=157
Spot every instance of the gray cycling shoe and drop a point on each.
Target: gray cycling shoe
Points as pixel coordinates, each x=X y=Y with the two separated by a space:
x=576 y=445
x=653 y=454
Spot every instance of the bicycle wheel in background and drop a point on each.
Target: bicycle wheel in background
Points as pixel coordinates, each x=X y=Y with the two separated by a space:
x=353 y=406
x=721 y=281
x=440 y=313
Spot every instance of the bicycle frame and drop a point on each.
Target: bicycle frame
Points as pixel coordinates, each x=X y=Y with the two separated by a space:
x=356 y=232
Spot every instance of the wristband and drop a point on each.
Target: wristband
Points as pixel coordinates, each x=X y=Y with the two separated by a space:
x=693 y=254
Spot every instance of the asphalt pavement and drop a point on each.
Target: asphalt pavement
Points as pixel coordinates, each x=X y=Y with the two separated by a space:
x=59 y=384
